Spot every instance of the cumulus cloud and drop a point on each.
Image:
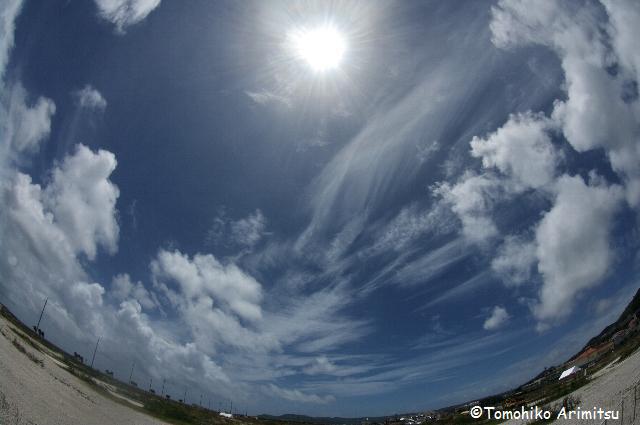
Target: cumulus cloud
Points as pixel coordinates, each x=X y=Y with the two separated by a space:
x=595 y=113
x=515 y=260
x=122 y=288
x=497 y=319
x=624 y=16
x=90 y=98
x=40 y=259
x=573 y=244
x=124 y=13
x=571 y=247
x=27 y=125
x=521 y=149
x=472 y=199
x=231 y=288
x=82 y=200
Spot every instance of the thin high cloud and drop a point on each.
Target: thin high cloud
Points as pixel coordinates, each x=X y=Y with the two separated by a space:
x=273 y=315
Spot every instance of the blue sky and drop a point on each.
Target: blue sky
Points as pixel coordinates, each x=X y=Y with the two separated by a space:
x=448 y=211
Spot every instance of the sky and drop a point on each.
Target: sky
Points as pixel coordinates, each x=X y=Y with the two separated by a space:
x=433 y=216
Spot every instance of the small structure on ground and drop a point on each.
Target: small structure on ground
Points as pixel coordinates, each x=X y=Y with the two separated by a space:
x=569 y=372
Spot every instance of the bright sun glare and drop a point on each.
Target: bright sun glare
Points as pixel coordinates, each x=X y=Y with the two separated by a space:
x=322 y=48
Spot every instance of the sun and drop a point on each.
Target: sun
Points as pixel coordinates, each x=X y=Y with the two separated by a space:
x=322 y=48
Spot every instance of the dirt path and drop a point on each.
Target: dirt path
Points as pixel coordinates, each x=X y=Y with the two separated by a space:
x=34 y=394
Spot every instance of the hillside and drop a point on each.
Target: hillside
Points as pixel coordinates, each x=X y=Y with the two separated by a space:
x=622 y=322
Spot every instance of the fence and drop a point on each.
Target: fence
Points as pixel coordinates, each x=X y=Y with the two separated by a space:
x=628 y=408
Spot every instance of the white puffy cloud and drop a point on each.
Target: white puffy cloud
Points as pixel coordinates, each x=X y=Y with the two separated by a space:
x=220 y=303
x=472 y=199
x=26 y=125
x=122 y=288
x=514 y=261
x=30 y=234
x=90 y=98
x=497 y=319
x=231 y=288
x=573 y=245
x=521 y=149
x=624 y=16
x=124 y=13
x=82 y=199
x=40 y=259
x=595 y=113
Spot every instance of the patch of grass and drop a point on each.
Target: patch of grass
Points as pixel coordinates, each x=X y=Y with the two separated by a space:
x=24 y=351
x=557 y=391
x=170 y=410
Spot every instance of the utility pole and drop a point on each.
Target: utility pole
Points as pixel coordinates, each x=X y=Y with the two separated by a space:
x=150 y=382
x=131 y=374
x=162 y=392
x=94 y=352
x=42 y=312
x=184 y=399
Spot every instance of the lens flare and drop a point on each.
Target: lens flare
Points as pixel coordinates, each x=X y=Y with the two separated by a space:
x=322 y=48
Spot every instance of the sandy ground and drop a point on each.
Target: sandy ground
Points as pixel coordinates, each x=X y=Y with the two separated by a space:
x=31 y=394
x=609 y=385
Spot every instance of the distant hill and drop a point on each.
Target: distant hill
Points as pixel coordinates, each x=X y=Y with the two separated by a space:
x=621 y=323
x=320 y=420
x=603 y=336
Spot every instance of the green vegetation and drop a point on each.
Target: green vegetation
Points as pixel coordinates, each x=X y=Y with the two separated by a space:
x=170 y=410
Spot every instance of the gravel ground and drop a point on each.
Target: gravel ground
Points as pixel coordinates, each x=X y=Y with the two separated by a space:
x=34 y=394
x=605 y=391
